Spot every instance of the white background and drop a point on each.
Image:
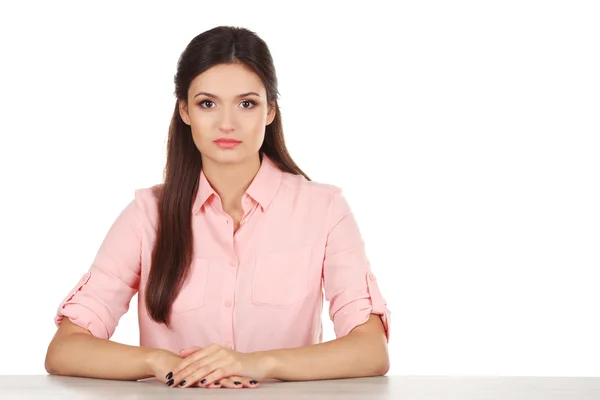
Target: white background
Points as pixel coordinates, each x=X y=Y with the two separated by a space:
x=465 y=135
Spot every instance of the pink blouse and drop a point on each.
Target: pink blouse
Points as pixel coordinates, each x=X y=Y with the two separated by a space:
x=258 y=289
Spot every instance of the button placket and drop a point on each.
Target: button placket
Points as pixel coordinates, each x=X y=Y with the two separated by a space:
x=249 y=212
x=246 y=212
x=227 y=307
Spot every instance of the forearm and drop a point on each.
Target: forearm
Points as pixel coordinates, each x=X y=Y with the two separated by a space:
x=79 y=354
x=351 y=356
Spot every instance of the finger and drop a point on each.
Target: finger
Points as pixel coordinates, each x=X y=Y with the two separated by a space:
x=231 y=383
x=186 y=362
x=214 y=385
x=211 y=373
x=197 y=371
x=249 y=382
x=238 y=381
x=189 y=351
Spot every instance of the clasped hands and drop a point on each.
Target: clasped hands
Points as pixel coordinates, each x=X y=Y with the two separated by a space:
x=211 y=367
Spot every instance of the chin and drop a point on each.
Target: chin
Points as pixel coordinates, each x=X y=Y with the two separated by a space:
x=231 y=156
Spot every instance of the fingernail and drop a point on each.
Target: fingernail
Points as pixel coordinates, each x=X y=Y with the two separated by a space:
x=253 y=382
x=203 y=381
x=170 y=382
x=217 y=383
x=182 y=383
x=169 y=375
x=237 y=383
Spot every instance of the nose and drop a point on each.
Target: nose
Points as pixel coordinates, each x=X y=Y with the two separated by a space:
x=226 y=124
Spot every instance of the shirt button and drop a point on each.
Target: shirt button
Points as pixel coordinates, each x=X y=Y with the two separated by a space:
x=371 y=276
x=247 y=200
x=242 y=222
x=232 y=263
x=227 y=303
x=229 y=346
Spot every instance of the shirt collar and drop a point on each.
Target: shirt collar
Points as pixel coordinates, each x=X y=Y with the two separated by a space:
x=263 y=188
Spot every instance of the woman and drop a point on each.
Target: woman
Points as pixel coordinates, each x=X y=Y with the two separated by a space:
x=241 y=245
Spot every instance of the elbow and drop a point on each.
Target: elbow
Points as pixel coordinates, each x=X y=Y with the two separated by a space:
x=381 y=362
x=49 y=369
x=49 y=365
x=384 y=368
x=377 y=365
x=50 y=362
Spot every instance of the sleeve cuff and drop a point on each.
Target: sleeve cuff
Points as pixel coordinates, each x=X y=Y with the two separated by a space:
x=84 y=317
x=379 y=304
x=358 y=312
x=73 y=307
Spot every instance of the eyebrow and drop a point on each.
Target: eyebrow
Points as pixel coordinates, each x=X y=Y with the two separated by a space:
x=216 y=97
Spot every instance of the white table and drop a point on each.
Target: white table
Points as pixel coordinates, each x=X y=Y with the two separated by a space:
x=388 y=387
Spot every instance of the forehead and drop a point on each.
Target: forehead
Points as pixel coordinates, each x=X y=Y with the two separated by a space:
x=227 y=81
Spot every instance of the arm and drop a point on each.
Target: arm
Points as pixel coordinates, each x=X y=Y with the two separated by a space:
x=363 y=352
x=88 y=316
x=74 y=351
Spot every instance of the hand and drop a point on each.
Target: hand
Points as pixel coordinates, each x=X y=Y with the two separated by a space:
x=231 y=382
x=162 y=362
x=209 y=365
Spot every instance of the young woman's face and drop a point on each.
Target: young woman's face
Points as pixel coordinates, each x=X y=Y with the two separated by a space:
x=227 y=101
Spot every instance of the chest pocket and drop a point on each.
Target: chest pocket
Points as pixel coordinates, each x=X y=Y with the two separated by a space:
x=281 y=279
x=192 y=293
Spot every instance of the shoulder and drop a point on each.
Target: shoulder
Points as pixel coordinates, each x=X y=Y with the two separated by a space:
x=318 y=199
x=320 y=191
x=146 y=200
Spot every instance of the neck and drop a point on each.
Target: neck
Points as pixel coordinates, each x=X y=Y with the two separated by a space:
x=231 y=181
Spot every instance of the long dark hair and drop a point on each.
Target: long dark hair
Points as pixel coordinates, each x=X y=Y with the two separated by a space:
x=173 y=249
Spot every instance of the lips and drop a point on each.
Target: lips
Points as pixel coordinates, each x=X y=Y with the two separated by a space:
x=227 y=141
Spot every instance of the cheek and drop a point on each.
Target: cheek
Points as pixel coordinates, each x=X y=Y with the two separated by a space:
x=199 y=121
x=258 y=132
x=257 y=122
x=201 y=127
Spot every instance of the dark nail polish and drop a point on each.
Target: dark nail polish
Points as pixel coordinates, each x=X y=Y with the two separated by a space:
x=182 y=383
x=253 y=382
x=237 y=383
x=217 y=383
x=203 y=381
x=170 y=382
x=169 y=375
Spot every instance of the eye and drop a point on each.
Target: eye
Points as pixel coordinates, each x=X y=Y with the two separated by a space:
x=205 y=102
x=248 y=102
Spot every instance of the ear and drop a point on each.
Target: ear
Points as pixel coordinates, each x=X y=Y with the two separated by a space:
x=183 y=112
x=271 y=113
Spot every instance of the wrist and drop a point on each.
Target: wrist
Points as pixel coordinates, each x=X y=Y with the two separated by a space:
x=149 y=358
x=268 y=363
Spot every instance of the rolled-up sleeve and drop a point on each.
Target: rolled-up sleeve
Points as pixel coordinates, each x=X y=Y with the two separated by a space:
x=104 y=292
x=349 y=283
